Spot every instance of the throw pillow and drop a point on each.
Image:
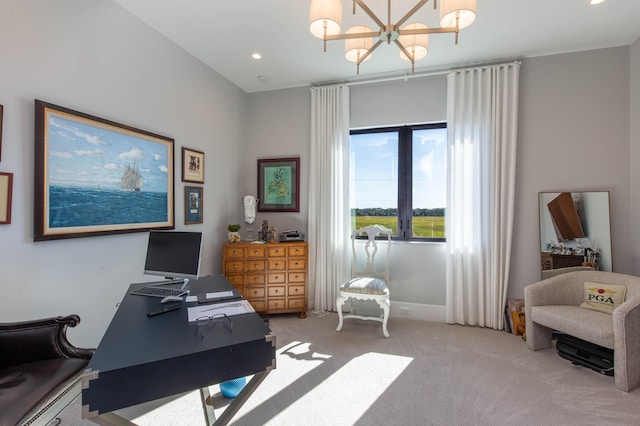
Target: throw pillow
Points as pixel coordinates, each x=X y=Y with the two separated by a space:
x=603 y=297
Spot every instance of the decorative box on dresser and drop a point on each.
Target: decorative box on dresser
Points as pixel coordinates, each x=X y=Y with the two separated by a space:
x=272 y=277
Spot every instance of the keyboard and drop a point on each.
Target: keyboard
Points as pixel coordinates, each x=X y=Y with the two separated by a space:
x=158 y=291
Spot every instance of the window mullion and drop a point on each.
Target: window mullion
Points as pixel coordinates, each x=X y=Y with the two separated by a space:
x=404 y=183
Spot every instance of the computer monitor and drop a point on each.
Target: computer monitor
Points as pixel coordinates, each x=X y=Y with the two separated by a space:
x=174 y=254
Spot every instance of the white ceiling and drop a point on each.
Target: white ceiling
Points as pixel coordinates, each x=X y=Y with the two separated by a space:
x=224 y=33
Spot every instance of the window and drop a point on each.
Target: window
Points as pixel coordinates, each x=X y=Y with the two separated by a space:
x=398 y=179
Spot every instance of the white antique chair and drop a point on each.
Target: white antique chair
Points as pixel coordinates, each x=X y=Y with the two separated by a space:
x=370 y=282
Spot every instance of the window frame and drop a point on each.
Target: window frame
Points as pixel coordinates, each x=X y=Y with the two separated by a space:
x=405 y=175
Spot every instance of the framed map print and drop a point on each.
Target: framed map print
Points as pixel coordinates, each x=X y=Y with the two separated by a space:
x=278 y=184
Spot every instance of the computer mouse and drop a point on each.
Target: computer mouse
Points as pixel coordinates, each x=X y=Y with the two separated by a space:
x=171 y=299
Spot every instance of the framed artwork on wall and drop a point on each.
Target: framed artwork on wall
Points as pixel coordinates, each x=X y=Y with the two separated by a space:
x=97 y=177
x=6 y=192
x=278 y=184
x=192 y=165
x=1 y=112
x=192 y=205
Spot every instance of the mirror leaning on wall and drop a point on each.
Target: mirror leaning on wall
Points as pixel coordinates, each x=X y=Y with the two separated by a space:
x=575 y=231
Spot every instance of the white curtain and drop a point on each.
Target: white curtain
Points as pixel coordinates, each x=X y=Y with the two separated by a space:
x=482 y=118
x=328 y=233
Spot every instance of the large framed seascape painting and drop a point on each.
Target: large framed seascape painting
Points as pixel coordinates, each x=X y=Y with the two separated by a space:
x=98 y=177
x=278 y=184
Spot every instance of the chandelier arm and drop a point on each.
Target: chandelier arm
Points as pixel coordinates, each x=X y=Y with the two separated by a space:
x=405 y=51
x=368 y=52
x=370 y=13
x=410 y=13
x=427 y=31
x=345 y=36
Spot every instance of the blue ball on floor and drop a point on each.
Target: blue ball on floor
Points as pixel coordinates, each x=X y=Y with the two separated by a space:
x=232 y=388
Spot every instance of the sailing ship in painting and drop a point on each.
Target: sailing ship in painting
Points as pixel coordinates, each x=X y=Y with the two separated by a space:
x=131 y=179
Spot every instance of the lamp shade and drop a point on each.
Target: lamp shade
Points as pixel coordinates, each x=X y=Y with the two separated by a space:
x=356 y=48
x=416 y=44
x=325 y=12
x=464 y=9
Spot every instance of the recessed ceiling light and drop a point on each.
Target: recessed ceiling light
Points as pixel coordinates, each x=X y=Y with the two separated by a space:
x=256 y=55
x=263 y=78
x=596 y=1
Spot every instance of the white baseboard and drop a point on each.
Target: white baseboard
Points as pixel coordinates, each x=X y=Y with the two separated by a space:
x=417 y=311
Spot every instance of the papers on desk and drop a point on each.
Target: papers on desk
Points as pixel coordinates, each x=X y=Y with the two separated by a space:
x=230 y=308
x=215 y=295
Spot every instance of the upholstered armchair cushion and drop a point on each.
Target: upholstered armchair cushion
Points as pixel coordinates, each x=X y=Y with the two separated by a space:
x=365 y=285
x=38 y=369
x=554 y=304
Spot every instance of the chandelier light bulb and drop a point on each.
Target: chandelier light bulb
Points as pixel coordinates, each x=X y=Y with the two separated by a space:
x=356 y=48
x=463 y=10
x=416 y=44
x=325 y=14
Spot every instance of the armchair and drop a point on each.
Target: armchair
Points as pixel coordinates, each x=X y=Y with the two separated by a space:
x=554 y=304
x=39 y=370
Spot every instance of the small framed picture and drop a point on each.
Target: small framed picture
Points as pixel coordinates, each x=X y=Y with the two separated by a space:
x=6 y=189
x=278 y=184
x=192 y=205
x=192 y=165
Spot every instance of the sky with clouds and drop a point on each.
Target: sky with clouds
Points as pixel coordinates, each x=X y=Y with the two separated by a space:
x=374 y=169
x=82 y=155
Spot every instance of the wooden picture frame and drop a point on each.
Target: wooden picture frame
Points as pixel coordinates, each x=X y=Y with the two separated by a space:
x=1 y=114
x=98 y=177
x=6 y=193
x=193 y=204
x=278 y=184
x=192 y=165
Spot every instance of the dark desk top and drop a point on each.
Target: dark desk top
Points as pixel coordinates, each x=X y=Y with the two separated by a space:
x=144 y=358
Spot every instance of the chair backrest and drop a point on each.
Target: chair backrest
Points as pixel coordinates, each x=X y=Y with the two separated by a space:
x=369 y=250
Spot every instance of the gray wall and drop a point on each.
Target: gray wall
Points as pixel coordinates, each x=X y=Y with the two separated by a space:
x=94 y=57
x=573 y=135
x=634 y=157
x=578 y=115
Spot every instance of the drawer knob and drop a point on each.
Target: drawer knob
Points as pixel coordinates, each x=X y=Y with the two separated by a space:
x=235 y=252
x=255 y=279
x=234 y=267
x=255 y=252
x=296 y=277
x=296 y=290
x=276 y=291
x=255 y=292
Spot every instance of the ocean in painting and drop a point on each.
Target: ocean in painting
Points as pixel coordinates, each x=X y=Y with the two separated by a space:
x=77 y=206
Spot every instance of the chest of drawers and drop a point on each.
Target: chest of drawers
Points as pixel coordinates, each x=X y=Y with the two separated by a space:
x=272 y=277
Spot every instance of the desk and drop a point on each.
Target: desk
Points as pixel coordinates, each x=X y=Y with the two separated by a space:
x=141 y=359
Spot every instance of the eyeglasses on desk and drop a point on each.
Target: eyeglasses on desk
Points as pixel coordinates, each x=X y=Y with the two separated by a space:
x=204 y=323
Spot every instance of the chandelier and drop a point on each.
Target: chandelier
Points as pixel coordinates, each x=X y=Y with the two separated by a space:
x=325 y=19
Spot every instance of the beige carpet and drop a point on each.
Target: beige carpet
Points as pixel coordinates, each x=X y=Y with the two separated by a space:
x=424 y=374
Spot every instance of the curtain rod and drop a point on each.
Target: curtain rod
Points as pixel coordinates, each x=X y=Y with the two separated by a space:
x=407 y=76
